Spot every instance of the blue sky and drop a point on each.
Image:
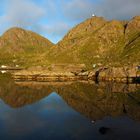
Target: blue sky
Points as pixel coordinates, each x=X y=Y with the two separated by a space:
x=54 y=18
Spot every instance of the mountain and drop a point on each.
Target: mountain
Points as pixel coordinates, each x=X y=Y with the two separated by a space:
x=17 y=44
x=20 y=40
x=132 y=40
x=94 y=41
x=97 y=40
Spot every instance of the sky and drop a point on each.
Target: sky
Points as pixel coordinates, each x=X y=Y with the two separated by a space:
x=54 y=18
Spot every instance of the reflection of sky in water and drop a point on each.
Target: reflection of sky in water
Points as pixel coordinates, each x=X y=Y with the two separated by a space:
x=52 y=118
x=49 y=117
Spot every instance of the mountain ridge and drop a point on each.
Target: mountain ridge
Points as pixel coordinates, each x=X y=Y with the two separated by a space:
x=103 y=41
x=16 y=36
x=96 y=40
x=22 y=46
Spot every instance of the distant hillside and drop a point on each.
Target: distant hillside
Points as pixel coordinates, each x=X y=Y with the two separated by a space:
x=131 y=51
x=94 y=41
x=97 y=40
x=20 y=45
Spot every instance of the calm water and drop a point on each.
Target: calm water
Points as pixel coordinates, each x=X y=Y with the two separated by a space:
x=68 y=111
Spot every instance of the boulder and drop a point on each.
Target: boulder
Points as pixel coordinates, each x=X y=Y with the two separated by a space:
x=118 y=74
x=83 y=73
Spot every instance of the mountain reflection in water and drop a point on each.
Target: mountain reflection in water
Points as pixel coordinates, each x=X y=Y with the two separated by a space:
x=80 y=111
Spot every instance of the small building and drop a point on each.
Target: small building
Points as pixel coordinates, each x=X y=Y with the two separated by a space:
x=3 y=71
x=3 y=66
x=94 y=65
x=138 y=67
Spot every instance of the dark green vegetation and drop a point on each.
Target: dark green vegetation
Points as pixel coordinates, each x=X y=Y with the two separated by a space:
x=96 y=40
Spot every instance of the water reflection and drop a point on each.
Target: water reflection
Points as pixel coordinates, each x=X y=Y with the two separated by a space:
x=51 y=118
x=68 y=110
x=91 y=100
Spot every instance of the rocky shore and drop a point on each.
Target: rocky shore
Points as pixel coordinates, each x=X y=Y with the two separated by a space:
x=119 y=74
x=48 y=76
x=75 y=73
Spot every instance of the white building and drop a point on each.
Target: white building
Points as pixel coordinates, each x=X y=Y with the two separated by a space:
x=94 y=65
x=3 y=66
x=3 y=71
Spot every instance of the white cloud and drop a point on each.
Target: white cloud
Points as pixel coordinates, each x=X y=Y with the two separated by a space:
x=54 y=18
x=60 y=29
x=118 y=9
x=55 y=31
x=22 y=13
x=78 y=9
x=111 y=9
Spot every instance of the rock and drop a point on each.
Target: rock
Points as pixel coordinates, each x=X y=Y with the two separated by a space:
x=83 y=73
x=118 y=74
x=35 y=68
x=132 y=29
x=103 y=130
x=138 y=73
x=93 y=121
x=91 y=75
x=74 y=68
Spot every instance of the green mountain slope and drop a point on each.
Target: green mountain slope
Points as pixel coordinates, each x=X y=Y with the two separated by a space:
x=94 y=41
x=97 y=40
x=132 y=40
x=22 y=46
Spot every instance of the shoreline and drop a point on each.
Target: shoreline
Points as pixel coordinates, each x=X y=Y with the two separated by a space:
x=119 y=75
